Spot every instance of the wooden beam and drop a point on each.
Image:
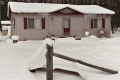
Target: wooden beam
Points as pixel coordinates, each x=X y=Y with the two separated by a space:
x=60 y=71
x=84 y=63
x=49 y=63
x=66 y=72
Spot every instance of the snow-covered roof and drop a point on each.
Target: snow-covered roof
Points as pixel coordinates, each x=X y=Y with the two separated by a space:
x=5 y=22
x=5 y=27
x=21 y=7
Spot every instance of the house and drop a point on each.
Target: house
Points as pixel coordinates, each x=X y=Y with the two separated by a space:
x=5 y=26
x=35 y=21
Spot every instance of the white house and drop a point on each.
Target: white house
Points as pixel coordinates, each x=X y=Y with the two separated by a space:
x=35 y=21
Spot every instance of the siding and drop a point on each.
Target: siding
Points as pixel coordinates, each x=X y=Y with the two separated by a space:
x=54 y=26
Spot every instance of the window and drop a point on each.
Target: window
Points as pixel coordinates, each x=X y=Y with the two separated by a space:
x=37 y=23
x=30 y=22
x=34 y=23
x=66 y=23
x=97 y=23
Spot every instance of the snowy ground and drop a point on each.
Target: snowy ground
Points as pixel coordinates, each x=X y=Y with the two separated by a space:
x=12 y=57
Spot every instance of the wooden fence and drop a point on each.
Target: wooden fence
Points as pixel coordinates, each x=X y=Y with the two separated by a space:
x=49 y=63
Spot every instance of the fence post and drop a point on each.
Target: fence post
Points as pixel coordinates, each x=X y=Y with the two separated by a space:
x=49 y=63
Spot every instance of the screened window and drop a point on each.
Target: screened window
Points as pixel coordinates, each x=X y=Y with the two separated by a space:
x=30 y=22
x=97 y=23
x=34 y=23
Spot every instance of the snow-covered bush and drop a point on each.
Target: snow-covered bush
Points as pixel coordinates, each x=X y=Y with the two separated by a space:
x=116 y=34
x=93 y=37
x=15 y=37
x=53 y=37
x=118 y=29
x=101 y=33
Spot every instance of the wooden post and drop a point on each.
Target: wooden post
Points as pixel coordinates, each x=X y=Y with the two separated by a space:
x=49 y=63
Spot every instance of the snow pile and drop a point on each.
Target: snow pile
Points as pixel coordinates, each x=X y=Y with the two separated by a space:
x=88 y=75
x=48 y=41
x=118 y=29
x=62 y=62
x=9 y=31
x=103 y=52
x=116 y=34
x=86 y=33
x=68 y=68
x=5 y=22
x=101 y=32
x=25 y=74
x=93 y=37
x=89 y=38
x=104 y=77
x=112 y=35
x=67 y=40
x=9 y=41
x=38 y=59
x=15 y=37
x=4 y=38
x=88 y=59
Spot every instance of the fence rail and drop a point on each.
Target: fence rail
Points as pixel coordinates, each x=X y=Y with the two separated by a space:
x=49 y=63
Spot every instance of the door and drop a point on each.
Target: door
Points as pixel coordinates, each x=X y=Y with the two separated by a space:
x=66 y=27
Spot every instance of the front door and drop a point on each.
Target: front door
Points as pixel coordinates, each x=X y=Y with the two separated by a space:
x=66 y=27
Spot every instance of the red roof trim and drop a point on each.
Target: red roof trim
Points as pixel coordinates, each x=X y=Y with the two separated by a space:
x=54 y=12
x=23 y=13
x=68 y=13
x=59 y=13
x=67 y=8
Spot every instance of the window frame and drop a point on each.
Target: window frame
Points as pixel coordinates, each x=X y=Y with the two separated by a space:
x=40 y=25
x=97 y=23
x=28 y=23
x=34 y=27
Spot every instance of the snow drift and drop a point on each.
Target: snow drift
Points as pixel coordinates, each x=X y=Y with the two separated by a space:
x=38 y=59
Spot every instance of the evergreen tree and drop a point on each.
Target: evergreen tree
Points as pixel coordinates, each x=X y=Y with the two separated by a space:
x=4 y=10
x=115 y=21
x=65 y=1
